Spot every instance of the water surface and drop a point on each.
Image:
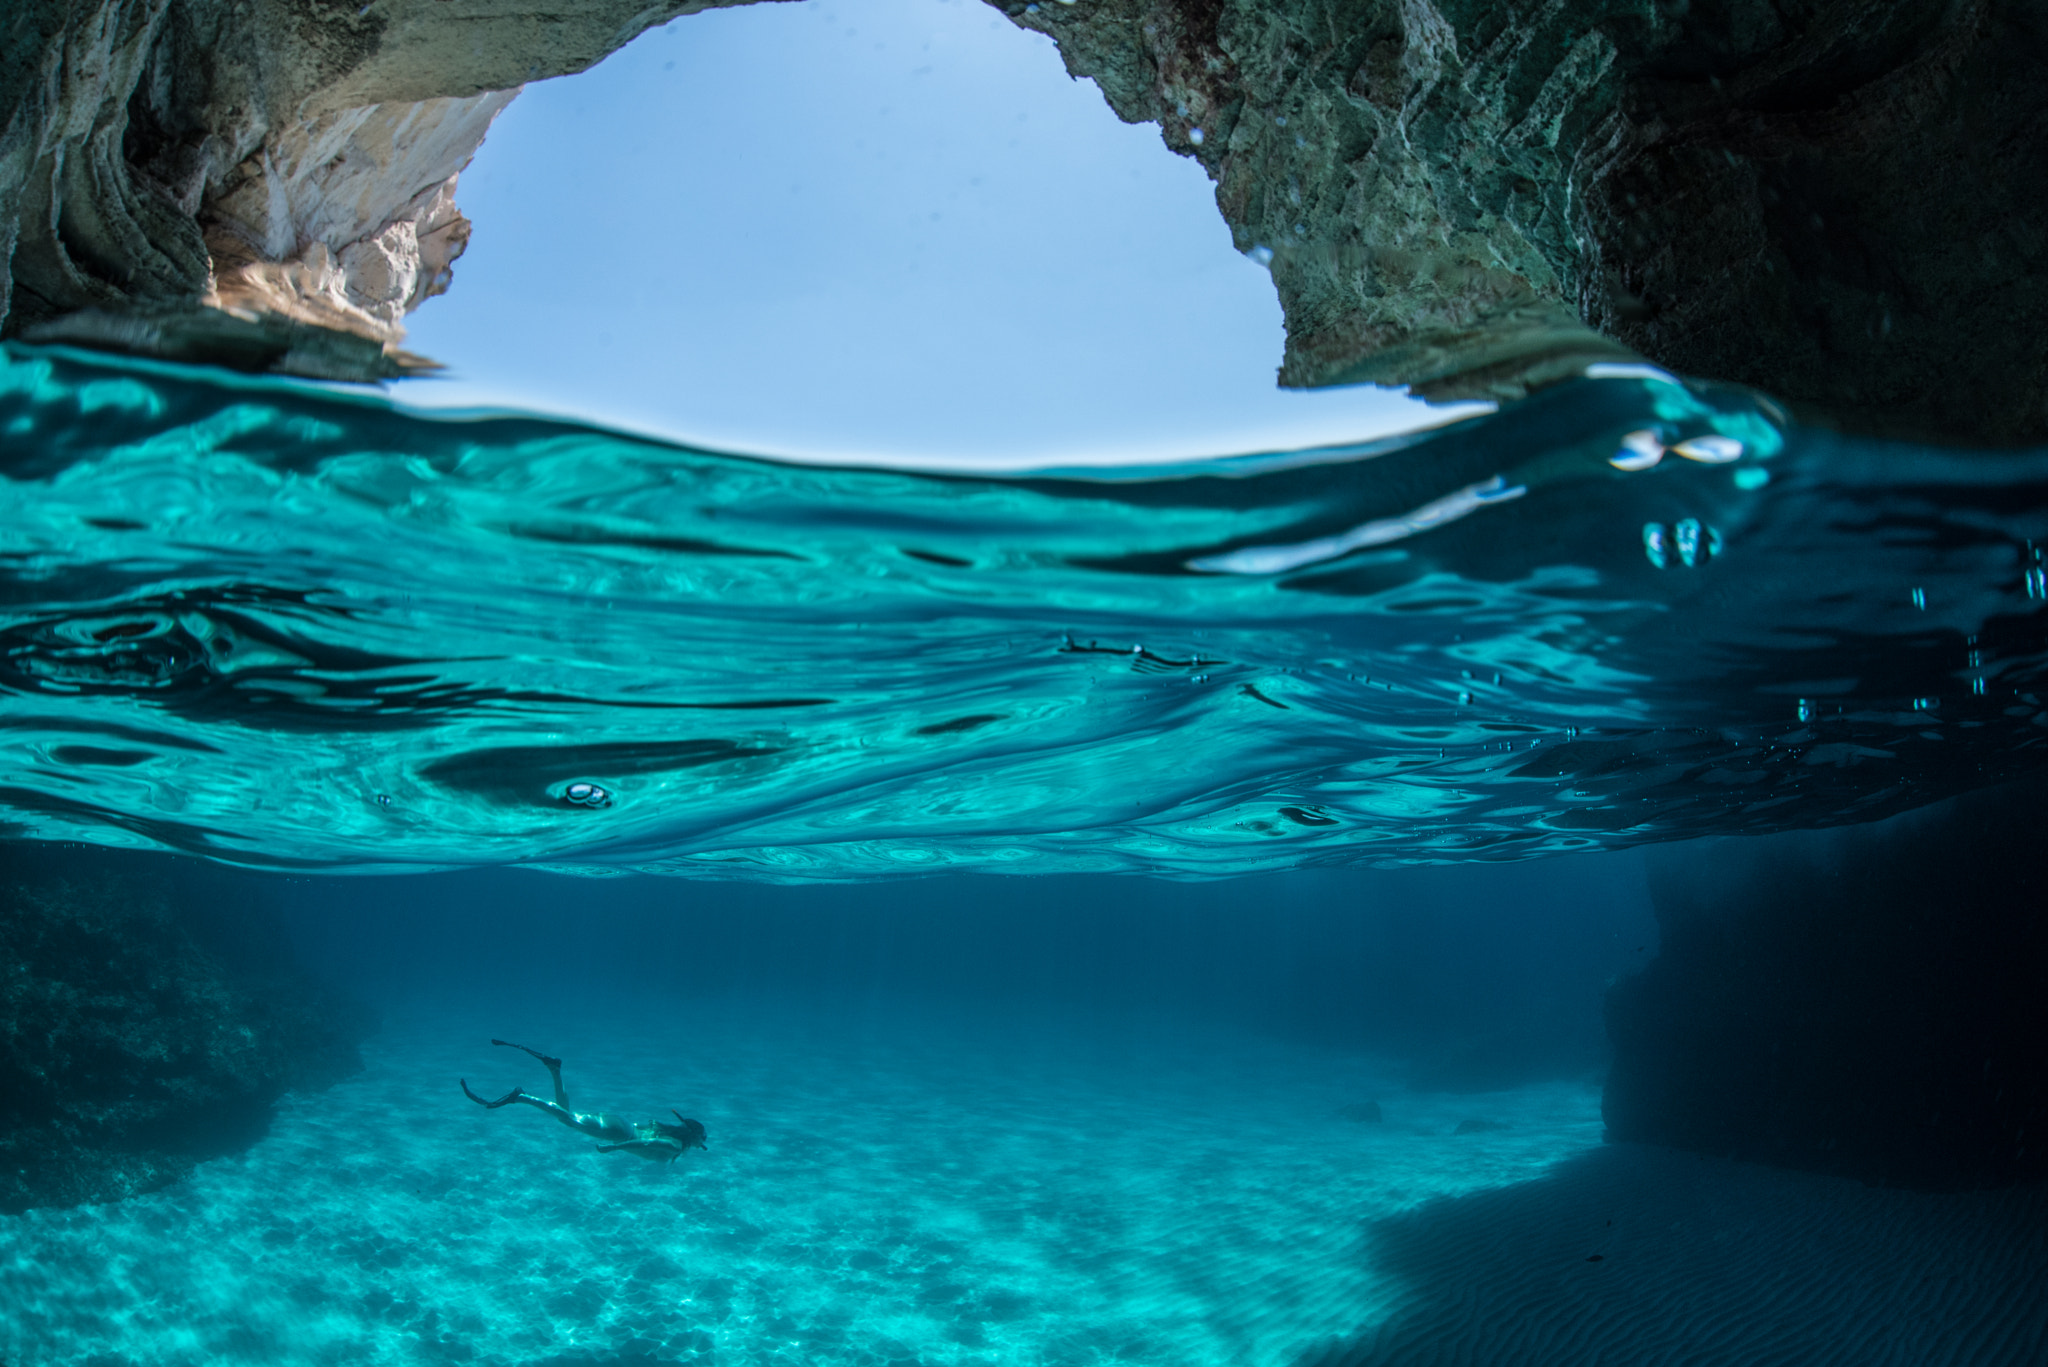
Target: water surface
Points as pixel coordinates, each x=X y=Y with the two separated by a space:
x=270 y=624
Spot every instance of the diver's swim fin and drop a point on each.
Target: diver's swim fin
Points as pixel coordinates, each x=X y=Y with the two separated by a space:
x=505 y=1100
x=508 y=1044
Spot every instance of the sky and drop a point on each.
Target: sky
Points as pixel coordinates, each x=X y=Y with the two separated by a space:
x=885 y=230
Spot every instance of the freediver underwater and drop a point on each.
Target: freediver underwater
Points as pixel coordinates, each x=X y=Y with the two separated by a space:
x=650 y=1139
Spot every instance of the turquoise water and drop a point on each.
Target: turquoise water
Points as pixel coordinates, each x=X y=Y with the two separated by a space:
x=273 y=625
x=973 y=1121
x=935 y=1191
x=885 y=1197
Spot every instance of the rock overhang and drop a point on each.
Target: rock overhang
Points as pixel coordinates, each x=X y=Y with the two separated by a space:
x=1828 y=201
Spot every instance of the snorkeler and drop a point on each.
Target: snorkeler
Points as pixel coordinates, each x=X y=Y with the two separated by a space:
x=652 y=1139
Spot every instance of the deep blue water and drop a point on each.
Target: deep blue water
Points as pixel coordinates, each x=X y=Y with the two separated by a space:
x=1322 y=1088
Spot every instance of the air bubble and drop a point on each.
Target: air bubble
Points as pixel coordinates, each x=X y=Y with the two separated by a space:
x=1751 y=478
x=1920 y=599
x=1639 y=451
x=2037 y=582
x=1687 y=535
x=582 y=794
x=1195 y=136
x=1654 y=545
x=1261 y=254
x=1806 y=709
x=1464 y=698
x=1926 y=704
x=1710 y=450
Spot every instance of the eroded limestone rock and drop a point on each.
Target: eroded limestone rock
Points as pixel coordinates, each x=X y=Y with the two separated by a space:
x=307 y=227
x=228 y=182
x=1834 y=200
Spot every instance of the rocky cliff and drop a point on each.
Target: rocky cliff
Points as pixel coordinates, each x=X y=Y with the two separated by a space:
x=268 y=184
x=1834 y=200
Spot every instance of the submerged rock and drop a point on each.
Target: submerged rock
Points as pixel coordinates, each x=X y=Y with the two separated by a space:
x=130 y=1049
x=1864 y=1001
x=1478 y=1125
x=1362 y=1112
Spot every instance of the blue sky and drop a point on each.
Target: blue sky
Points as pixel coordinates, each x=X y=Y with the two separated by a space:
x=881 y=229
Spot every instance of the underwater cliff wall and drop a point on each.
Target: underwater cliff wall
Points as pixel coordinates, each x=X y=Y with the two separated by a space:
x=1829 y=201
x=149 y=1018
x=1864 y=1001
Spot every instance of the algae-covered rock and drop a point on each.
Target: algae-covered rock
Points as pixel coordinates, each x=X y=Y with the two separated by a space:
x=129 y=1050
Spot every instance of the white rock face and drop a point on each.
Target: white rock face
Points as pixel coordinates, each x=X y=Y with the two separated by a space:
x=221 y=180
x=305 y=227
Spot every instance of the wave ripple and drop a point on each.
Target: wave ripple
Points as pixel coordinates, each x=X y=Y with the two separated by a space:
x=268 y=624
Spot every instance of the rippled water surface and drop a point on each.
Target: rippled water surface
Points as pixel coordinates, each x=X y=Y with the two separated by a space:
x=270 y=624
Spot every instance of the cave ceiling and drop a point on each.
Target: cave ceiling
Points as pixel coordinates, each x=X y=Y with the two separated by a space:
x=1834 y=200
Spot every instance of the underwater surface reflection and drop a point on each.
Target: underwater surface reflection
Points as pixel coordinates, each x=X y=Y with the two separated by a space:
x=261 y=622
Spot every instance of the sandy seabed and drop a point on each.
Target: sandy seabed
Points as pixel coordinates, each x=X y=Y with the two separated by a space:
x=917 y=1190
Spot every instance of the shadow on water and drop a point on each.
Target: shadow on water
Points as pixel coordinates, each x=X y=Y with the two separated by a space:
x=1637 y=1255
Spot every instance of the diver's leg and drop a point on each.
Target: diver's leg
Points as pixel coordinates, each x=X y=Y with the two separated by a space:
x=595 y=1126
x=598 y=1125
x=555 y=1072
x=553 y=1065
